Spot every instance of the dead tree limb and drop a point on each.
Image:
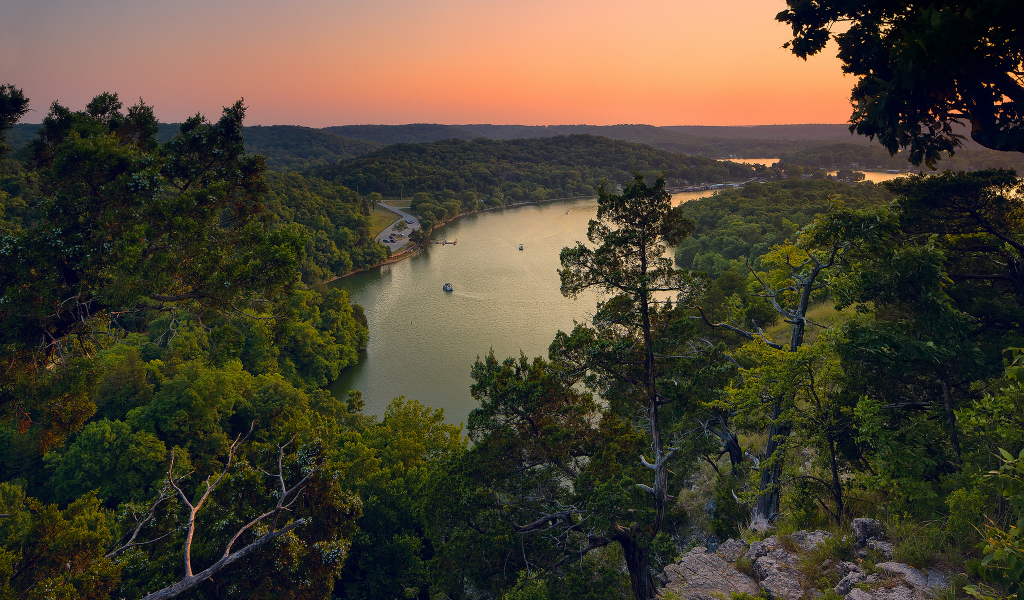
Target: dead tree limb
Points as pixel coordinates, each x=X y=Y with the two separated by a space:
x=288 y=496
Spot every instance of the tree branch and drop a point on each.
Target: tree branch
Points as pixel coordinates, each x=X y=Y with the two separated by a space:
x=750 y=336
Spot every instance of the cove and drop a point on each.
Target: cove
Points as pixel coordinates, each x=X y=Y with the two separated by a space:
x=423 y=340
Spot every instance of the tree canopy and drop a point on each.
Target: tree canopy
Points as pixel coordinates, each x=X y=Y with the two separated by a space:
x=925 y=69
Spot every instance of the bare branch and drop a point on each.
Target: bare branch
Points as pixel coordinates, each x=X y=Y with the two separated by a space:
x=287 y=498
x=750 y=336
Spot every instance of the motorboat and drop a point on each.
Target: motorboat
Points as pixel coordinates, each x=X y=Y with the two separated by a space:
x=448 y=287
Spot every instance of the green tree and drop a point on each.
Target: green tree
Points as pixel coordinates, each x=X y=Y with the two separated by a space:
x=135 y=229
x=924 y=68
x=13 y=106
x=628 y=262
x=805 y=388
x=549 y=480
x=128 y=228
x=936 y=272
x=468 y=200
x=46 y=552
x=389 y=554
x=107 y=456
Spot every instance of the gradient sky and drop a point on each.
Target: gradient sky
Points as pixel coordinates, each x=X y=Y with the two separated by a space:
x=321 y=62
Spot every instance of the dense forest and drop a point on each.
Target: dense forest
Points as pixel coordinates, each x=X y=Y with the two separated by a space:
x=519 y=170
x=285 y=147
x=741 y=225
x=817 y=354
x=714 y=142
x=835 y=156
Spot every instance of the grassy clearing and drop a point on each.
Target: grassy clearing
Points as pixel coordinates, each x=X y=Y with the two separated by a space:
x=381 y=219
x=399 y=202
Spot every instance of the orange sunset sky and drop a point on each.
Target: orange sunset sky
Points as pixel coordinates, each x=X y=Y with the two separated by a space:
x=320 y=62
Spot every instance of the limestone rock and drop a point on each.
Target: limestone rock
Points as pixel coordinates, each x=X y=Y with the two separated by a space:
x=777 y=573
x=809 y=540
x=858 y=594
x=897 y=592
x=925 y=581
x=700 y=574
x=732 y=549
x=783 y=584
x=845 y=586
x=883 y=548
x=845 y=568
x=759 y=549
x=867 y=529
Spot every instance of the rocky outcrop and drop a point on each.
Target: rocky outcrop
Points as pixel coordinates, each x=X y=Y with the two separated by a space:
x=732 y=550
x=867 y=529
x=870 y=535
x=924 y=581
x=701 y=575
x=775 y=568
x=809 y=540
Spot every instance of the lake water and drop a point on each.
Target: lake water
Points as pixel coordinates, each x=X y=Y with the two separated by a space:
x=423 y=340
x=753 y=161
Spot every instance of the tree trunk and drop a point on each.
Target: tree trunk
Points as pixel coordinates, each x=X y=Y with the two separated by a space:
x=637 y=555
x=731 y=444
x=767 y=506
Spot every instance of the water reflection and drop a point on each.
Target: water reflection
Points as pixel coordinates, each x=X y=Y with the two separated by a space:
x=423 y=340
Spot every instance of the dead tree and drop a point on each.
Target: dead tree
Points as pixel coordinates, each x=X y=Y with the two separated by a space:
x=804 y=278
x=287 y=498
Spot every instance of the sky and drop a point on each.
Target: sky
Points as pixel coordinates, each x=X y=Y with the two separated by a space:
x=341 y=62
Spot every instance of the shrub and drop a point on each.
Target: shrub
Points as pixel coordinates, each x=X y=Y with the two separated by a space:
x=965 y=508
x=728 y=515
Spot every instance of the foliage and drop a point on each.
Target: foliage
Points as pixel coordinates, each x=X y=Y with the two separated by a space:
x=860 y=156
x=734 y=227
x=13 y=106
x=923 y=68
x=916 y=544
x=800 y=388
x=936 y=272
x=390 y=551
x=290 y=147
x=332 y=219
x=46 y=552
x=126 y=228
x=1003 y=563
x=108 y=456
x=550 y=473
x=518 y=170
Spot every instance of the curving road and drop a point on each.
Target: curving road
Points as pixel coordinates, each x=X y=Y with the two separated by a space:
x=400 y=242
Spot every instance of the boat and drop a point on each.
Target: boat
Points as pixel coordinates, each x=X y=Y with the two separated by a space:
x=520 y=246
x=448 y=287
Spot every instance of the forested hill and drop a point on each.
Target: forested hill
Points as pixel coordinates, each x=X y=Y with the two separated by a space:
x=748 y=142
x=519 y=169
x=286 y=147
x=289 y=147
x=856 y=156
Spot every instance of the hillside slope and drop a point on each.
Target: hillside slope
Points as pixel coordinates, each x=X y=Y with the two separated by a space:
x=520 y=169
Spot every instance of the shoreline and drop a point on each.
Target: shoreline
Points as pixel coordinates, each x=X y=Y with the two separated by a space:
x=394 y=258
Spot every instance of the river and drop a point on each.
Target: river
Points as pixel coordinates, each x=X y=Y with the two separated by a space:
x=423 y=340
